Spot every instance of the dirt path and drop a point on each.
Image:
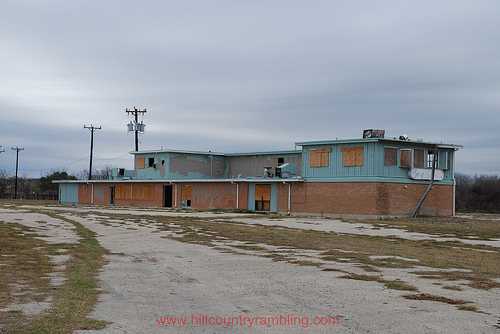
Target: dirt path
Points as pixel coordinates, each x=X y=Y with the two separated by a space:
x=153 y=277
x=150 y=276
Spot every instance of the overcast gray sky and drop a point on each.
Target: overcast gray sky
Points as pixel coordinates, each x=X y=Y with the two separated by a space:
x=244 y=76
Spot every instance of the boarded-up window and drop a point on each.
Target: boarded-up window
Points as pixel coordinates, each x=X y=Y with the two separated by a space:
x=143 y=192
x=418 y=158
x=352 y=156
x=319 y=157
x=186 y=196
x=123 y=191
x=405 y=160
x=390 y=156
x=262 y=192
x=186 y=193
x=262 y=197
x=141 y=163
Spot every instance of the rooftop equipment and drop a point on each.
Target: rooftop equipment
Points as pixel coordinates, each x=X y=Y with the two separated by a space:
x=371 y=133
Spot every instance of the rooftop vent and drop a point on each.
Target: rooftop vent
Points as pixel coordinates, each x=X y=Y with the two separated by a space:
x=371 y=133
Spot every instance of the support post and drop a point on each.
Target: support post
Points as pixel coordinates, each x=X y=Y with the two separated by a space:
x=92 y=129
x=17 y=149
x=434 y=161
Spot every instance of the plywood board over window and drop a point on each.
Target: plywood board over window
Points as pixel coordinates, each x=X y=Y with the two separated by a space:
x=186 y=193
x=263 y=192
x=141 y=163
x=405 y=160
x=123 y=191
x=319 y=157
x=390 y=156
x=418 y=158
x=143 y=192
x=262 y=197
x=352 y=156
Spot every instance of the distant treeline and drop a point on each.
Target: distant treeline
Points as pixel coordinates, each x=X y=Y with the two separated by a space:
x=477 y=193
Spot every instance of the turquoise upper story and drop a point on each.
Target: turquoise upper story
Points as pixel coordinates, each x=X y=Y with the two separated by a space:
x=377 y=160
x=352 y=160
x=191 y=165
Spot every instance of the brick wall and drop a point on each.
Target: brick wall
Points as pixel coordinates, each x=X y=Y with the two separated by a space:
x=217 y=195
x=374 y=199
x=341 y=198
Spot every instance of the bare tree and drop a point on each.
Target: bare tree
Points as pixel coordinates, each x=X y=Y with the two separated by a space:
x=98 y=173
x=477 y=193
x=5 y=182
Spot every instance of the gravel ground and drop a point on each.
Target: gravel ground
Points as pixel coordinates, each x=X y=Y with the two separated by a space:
x=149 y=277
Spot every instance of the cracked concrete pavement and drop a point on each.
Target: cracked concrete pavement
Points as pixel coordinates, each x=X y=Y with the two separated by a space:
x=150 y=276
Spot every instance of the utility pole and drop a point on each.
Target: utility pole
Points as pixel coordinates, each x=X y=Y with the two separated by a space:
x=92 y=129
x=17 y=149
x=136 y=126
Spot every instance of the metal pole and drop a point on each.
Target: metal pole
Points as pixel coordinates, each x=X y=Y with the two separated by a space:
x=417 y=210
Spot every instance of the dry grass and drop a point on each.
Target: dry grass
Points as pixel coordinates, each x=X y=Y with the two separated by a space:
x=28 y=263
x=390 y=284
x=476 y=281
x=25 y=264
x=480 y=226
x=426 y=296
x=466 y=262
x=358 y=249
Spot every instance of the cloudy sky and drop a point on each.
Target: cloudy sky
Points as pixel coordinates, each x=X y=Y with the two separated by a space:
x=243 y=76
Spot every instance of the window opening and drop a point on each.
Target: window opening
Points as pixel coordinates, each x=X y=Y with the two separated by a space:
x=430 y=159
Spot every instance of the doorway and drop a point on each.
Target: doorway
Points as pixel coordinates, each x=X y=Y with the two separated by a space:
x=111 y=195
x=167 y=196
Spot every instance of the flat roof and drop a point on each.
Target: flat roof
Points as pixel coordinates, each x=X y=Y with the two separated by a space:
x=242 y=180
x=177 y=151
x=217 y=153
x=371 y=140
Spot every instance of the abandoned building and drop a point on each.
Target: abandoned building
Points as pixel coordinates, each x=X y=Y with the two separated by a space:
x=369 y=176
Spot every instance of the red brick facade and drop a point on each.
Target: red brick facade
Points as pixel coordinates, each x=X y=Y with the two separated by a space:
x=327 y=198
x=372 y=199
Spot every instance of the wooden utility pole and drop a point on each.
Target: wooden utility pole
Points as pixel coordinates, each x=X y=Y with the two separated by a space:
x=17 y=149
x=137 y=127
x=92 y=129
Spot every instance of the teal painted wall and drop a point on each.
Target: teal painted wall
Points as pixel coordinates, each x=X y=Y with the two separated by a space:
x=373 y=168
x=182 y=166
x=251 y=196
x=68 y=193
